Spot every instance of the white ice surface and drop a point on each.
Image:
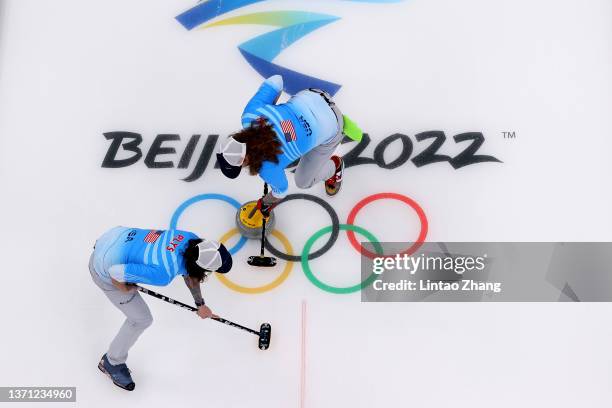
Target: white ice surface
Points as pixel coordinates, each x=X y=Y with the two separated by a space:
x=71 y=70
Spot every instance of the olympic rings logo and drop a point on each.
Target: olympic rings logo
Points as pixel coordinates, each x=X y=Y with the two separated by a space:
x=333 y=230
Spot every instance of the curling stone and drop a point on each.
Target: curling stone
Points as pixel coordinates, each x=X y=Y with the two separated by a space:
x=250 y=227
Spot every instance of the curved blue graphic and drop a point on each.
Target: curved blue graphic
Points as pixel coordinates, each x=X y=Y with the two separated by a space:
x=262 y=50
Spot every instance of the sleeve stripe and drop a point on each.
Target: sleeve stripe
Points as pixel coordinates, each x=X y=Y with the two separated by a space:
x=145 y=258
x=174 y=263
x=172 y=256
x=155 y=261
x=163 y=255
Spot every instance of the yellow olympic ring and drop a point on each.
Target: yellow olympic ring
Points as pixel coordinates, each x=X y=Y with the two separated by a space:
x=259 y=289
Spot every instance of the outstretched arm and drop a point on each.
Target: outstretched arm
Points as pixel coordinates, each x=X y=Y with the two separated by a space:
x=277 y=180
x=271 y=199
x=267 y=94
x=194 y=287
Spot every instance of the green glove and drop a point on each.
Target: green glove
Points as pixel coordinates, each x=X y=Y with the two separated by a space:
x=351 y=129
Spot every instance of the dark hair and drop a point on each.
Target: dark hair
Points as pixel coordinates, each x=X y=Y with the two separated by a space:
x=191 y=256
x=262 y=144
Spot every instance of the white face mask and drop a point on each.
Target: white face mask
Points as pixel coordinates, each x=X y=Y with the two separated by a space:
x=233 y=151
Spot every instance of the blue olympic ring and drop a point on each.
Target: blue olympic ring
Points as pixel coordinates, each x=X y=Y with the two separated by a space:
x=203 y=197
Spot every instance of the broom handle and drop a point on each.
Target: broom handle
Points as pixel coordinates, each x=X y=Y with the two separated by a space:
x=263 y=225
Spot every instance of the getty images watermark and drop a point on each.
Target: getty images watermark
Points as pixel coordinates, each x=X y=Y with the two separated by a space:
x=425 y=263
x=486 y=272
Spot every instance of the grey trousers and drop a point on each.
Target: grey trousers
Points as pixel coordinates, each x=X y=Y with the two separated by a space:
x=137 y=313
x=316 y=166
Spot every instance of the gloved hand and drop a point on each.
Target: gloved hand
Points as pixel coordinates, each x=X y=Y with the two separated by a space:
x=264 y=208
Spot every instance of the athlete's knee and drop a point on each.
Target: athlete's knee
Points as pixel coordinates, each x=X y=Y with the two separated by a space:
x=142 y=322
x=303 y=182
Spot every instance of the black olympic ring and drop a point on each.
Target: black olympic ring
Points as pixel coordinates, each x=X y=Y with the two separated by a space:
x=332 y=238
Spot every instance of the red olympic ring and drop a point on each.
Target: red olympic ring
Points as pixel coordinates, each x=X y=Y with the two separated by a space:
x=422 y=218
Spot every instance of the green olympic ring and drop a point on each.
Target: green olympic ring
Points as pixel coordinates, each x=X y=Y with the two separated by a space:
x=335 y=289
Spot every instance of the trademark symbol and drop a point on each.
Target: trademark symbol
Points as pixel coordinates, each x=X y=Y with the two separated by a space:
x=509 y=135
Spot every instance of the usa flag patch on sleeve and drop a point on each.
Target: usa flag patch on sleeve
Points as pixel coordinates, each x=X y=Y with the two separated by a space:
x=288 y=131
x=152 y=236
